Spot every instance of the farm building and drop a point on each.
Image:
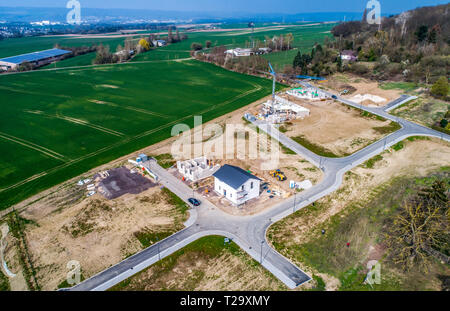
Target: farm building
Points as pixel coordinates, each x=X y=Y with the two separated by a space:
x=159 y=43
x=197 y=169
x=349 y=55
x=308 y=93
x=239 y=52
x=36 y=59
x=236 y=185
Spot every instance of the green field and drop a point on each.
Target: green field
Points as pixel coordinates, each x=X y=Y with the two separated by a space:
x=305 y=37
x=58 y=124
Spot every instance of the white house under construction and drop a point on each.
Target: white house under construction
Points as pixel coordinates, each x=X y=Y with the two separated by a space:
x=197 y=169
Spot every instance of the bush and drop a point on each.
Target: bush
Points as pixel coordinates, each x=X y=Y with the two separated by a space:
x=196 y=46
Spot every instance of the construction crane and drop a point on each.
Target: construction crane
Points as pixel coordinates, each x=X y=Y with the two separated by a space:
x=274 y=75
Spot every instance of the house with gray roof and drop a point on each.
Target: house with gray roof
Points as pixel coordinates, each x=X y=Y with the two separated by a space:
x=236 y=185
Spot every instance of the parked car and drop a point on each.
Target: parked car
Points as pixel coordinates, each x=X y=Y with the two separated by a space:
x=194 y=202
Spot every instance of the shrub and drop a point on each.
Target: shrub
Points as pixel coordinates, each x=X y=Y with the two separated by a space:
x=440 y=88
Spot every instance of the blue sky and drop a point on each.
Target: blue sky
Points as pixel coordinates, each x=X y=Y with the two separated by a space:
x=254 y=6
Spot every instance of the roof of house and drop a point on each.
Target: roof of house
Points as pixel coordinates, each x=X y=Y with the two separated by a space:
x=35 y=56
x=348 y=52
x=233 y=176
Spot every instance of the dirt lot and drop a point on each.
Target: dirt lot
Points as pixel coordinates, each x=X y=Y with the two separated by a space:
x=121 y=181
x=205 y=265
x=63 y=225
x=417 y=158
x=335 y=127
x=293 y=166
x=95 y=231
x=357 y=85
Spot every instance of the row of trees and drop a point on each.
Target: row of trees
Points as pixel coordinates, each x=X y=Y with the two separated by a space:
x=413 y=46
x=249 y=65
x=321 y=61
x=104 y=56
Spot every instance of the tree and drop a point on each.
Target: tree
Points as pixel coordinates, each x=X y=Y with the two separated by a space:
x=421 y=33
x=440 y=88
x=420 y=228
x=145 y=46
x=208 y=44
x=297 y=60
x=25 y=66
x=170 y=35
x=339 y=63
x=289 y=39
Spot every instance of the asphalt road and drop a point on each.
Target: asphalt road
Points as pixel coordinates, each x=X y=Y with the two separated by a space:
x=249 y=232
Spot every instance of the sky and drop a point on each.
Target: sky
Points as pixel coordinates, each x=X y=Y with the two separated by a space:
x=253 y=6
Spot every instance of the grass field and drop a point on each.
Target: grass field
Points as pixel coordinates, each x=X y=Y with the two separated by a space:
x=304 y=38
x=58 y=124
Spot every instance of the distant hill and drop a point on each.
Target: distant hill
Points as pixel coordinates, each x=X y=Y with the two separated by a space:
x=28 y=14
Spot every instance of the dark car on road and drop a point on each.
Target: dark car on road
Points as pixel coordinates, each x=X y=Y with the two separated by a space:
x=194 y=202
x=334 y=97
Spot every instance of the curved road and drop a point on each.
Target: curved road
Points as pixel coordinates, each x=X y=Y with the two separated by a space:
x=249 y=232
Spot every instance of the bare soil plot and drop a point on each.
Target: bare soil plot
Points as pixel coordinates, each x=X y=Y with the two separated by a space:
x=293 y=166
x=335 y=128
x=95 y=231
x=357 y=85
x=121 y=181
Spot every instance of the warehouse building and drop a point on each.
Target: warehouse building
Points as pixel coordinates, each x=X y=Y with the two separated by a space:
x=36 y=59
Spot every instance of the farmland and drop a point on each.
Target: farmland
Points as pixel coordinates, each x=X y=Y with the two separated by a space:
x=112 y=110
x=58 y=124
x=305 y=36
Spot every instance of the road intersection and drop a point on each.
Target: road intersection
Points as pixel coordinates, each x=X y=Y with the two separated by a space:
x=249 y=232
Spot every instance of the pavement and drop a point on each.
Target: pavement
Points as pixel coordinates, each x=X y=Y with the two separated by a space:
x=249 y=232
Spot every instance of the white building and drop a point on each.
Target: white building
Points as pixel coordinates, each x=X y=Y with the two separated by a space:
x=308 y=93
x=236 y=185
x=283 y=107
x=197 y=169
x=159 y=43
x=239 y=52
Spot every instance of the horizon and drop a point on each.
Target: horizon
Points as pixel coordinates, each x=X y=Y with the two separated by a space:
x=233 y=6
